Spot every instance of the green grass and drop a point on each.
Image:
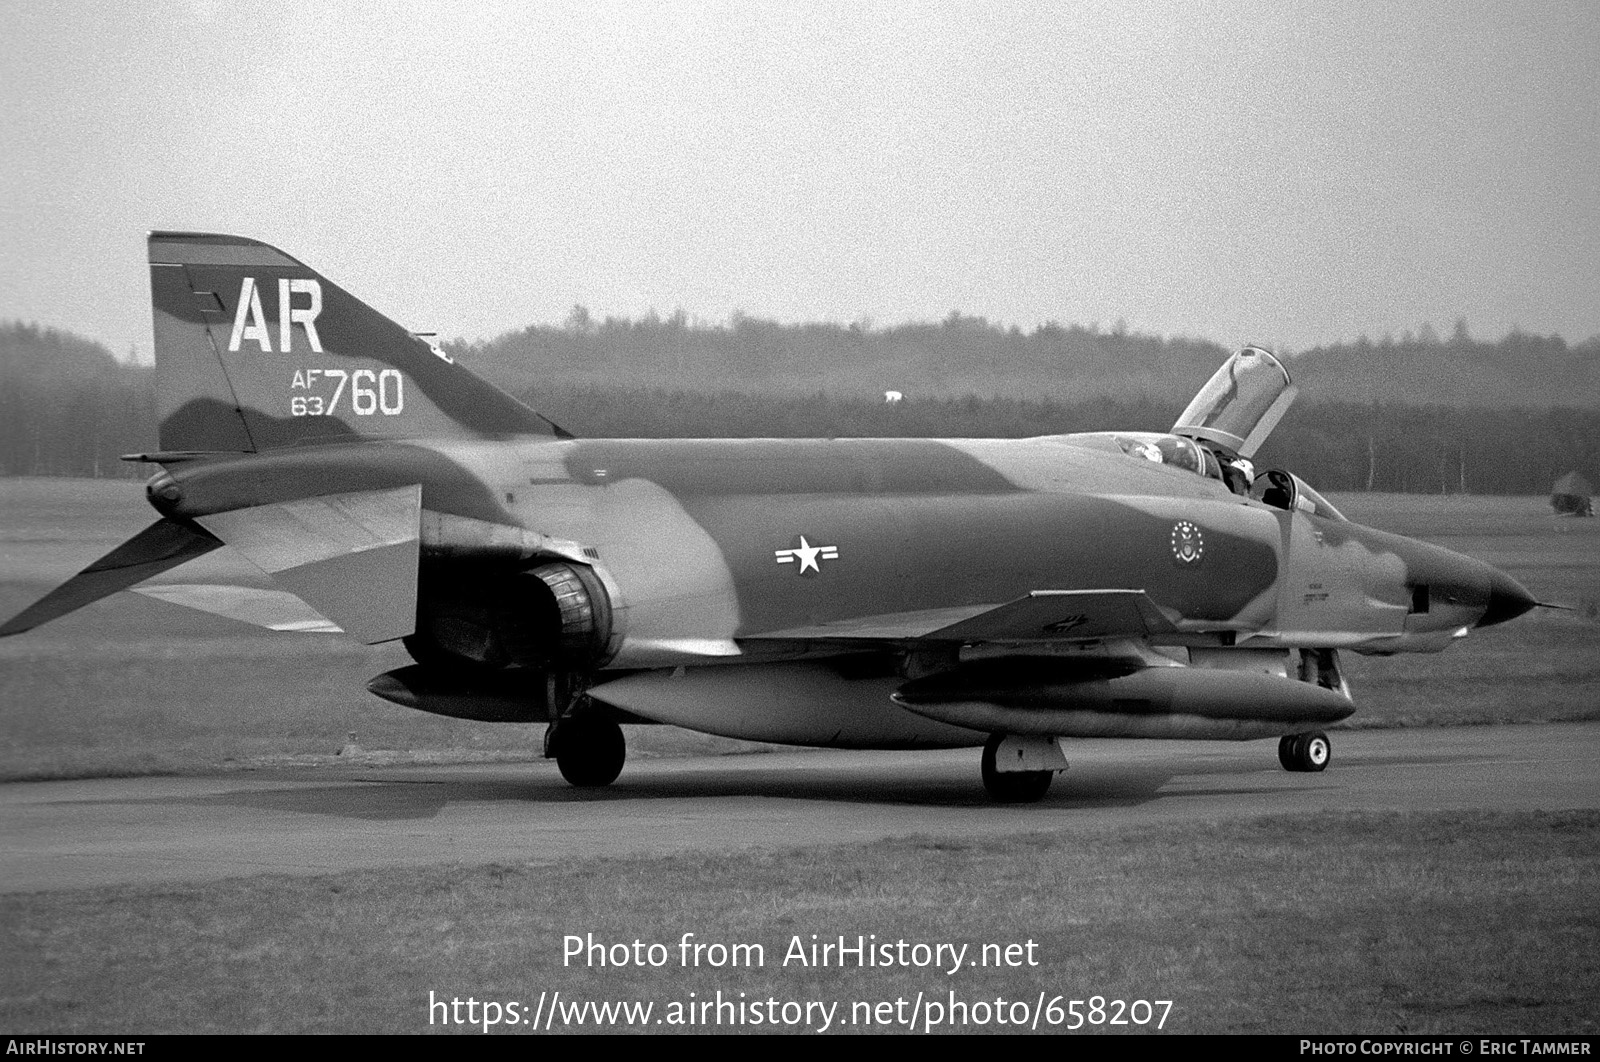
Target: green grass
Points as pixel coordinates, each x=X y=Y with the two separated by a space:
x=1411 y=923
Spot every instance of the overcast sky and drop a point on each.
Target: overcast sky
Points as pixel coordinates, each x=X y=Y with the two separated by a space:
x=1289 y=173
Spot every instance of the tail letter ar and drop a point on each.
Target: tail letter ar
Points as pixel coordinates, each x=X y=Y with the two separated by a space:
x=250 y=323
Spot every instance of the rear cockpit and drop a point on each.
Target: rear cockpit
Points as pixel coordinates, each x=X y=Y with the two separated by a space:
x=1285 y=490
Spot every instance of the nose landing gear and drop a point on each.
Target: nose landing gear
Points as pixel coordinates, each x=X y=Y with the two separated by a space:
x=1305 y=752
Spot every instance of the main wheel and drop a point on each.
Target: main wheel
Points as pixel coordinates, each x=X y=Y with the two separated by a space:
x=589 y=749
x=1012 y=787
x=1305 y=752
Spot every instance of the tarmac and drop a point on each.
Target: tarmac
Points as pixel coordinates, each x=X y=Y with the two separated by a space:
x=324 y=820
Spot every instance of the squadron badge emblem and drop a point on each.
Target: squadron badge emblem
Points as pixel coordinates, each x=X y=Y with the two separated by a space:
x=807 y=556
x=1188 y=544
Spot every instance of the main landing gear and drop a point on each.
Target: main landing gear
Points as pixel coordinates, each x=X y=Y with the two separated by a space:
x=588 y=747
x=1305 y=752
x=1020 y=786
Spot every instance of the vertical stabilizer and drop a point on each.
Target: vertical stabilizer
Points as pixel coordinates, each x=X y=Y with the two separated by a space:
x=256 y=351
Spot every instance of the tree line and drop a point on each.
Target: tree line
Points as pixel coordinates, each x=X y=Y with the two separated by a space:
x=1332 y=445
x=67 y=407
x=970 y=355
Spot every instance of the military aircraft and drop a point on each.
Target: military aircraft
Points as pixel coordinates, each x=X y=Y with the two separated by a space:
x=849 y=593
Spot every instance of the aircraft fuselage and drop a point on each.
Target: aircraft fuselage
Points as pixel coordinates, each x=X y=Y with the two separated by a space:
x=708 y=543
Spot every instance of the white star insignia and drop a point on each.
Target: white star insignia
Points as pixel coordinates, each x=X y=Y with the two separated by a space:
x=807 y=555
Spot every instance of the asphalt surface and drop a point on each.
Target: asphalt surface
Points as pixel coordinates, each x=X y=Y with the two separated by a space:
x=63 y=835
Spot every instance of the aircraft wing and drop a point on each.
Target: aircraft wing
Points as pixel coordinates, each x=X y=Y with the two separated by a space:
x=1063 y=616
x=1044 y=616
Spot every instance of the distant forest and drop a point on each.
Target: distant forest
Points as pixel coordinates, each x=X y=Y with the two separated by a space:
x=970 y=356
x=1422 y=414
x=67 y=407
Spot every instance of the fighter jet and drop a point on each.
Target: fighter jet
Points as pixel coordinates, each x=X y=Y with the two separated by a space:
x=848 y=593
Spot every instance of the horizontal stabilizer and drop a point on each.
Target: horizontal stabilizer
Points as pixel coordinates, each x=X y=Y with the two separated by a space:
x=351 y=557
x=276 y=610
x=164 y=544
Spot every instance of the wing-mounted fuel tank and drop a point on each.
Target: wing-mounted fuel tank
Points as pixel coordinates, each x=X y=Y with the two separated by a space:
x=513 y=695
x=1235 y=701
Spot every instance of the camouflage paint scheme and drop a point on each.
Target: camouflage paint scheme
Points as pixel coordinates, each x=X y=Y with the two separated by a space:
x=849 y=580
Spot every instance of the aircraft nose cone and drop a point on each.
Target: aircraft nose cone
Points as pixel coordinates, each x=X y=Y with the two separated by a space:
x=1508 y=599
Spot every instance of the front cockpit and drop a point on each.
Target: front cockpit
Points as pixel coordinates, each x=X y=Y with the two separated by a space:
x=1172 y=450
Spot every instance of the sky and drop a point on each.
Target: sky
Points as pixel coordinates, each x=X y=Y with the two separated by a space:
x=1293 y=174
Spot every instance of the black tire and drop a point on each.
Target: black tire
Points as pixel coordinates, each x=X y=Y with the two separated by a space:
x=590 y=750
x=1305 y=752
x=1012 y=787
x=1315 y=751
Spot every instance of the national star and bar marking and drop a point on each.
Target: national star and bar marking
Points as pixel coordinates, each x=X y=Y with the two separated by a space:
x=809 y=556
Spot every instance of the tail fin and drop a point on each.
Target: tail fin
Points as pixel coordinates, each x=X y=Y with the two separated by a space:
x=256 y=351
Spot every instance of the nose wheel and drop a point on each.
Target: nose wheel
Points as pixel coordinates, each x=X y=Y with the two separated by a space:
x=1305 y=752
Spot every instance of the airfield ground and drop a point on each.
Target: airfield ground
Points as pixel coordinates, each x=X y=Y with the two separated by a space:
x=1354 y=921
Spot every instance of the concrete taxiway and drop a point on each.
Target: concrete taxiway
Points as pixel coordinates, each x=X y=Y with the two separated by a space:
x=76 y=834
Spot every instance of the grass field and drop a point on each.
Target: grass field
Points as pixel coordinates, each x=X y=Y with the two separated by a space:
x=134 y=685
x=1444 y=923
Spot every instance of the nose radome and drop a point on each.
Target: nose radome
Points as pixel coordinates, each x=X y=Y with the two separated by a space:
x=1508 y=599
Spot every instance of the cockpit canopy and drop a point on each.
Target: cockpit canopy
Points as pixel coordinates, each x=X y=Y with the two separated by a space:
x=1285 y=490
x=1162 y=449
x=1274 y=487
x=1227 y=421
x=1241 y=403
